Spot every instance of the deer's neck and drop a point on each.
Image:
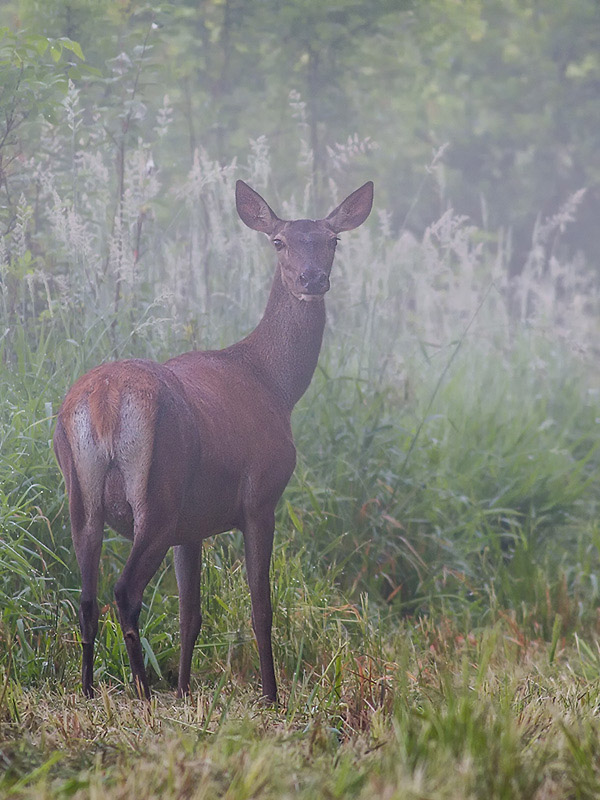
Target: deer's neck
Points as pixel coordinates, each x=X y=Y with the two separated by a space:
x=285 y=344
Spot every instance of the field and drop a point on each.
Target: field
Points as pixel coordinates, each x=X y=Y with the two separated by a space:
x=435 y=570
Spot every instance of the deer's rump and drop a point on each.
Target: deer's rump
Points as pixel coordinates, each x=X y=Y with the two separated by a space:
x=115 y=428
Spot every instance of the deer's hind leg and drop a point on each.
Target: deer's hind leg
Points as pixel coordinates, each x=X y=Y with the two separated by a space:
x=88 y=545
x=87 y=528
x=152 y=453
x=150 y=545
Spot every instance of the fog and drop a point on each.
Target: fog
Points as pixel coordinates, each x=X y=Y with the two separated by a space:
x=477 y=122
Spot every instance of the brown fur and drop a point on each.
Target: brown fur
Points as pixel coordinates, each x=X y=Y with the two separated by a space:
x=104 y=402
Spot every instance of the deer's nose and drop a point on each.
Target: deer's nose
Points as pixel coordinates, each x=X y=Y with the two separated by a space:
x=314 y=281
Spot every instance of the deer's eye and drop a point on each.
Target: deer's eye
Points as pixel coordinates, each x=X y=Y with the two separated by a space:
x=278 y=244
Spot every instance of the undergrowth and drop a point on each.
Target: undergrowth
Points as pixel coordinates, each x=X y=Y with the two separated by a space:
x=436 y=713
x=435 y=568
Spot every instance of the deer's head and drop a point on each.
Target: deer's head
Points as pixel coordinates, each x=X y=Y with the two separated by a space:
x=305 y=247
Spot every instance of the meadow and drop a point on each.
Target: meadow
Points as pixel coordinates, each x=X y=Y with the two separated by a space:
x=435 y=570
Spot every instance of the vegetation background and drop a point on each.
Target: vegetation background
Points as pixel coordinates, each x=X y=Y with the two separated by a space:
x=435 y=573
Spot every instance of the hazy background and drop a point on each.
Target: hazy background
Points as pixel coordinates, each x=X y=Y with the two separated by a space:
x=508 y=89
x=437 y=551
x=448 y=445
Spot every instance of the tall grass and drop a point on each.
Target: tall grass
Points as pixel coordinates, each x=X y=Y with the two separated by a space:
x=435 y=567
x=447 y=446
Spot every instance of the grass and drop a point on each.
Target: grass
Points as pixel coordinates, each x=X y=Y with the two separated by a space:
x=435 y=570
x=492 y=714
x=434 y=590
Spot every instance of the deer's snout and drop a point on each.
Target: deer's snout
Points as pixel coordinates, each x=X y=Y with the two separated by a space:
x=314 y=281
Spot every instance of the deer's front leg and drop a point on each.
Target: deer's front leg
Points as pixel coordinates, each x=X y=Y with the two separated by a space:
x=188 y=567
x=258 y=538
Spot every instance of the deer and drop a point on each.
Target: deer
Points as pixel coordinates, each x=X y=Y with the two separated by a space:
x=168 y=454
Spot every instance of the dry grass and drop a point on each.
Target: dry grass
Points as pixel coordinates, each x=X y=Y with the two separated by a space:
x=478 y=716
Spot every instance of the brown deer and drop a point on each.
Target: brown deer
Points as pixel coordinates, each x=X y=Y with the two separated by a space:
x=169 y=454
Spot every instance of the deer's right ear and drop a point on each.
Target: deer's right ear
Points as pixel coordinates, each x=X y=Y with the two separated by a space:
x=253 y=210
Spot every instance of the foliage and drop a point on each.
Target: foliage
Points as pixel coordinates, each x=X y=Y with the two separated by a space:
x=509 y=89
x=514 y=90
x=435 y=588
x=35 y=70
x=437 y=714
x=452 y=443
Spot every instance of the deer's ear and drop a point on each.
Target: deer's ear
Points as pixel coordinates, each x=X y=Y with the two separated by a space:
x=353 y=211
x=253 y=210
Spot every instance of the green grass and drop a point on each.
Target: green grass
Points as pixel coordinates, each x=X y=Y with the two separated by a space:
x=434 y=588
x=444 y=715
x=435 y=568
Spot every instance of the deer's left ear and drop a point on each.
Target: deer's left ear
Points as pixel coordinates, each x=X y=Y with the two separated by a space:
x=352 y=211
x=253 y=210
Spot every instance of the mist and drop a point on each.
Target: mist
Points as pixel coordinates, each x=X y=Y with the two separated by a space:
x=436 y=551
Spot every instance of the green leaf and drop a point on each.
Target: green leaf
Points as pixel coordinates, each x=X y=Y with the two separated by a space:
x=292 y=515
x=40 y=43
x=74 y=47
x=150 y=655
